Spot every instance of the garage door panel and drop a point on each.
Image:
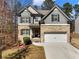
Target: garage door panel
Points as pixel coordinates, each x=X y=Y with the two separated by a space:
x=54 y=37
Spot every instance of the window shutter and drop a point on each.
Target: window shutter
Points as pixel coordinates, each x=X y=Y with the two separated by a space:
x=29 y=20
x=21 y=32
x=58 y=18
x=21 y=20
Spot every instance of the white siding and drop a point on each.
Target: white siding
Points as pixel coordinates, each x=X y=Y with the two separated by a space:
x=25 y=13
x=62 y=18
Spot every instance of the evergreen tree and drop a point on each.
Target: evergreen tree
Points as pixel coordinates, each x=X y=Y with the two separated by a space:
x=47 y=4
x=67 y=8
x=76 y=8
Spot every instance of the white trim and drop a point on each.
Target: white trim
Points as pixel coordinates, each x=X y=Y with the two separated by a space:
x=55 y=24
x=23 y=24
x=32 y=10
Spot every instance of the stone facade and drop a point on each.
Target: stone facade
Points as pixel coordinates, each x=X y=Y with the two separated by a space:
x=20 y=37
x=55 y=28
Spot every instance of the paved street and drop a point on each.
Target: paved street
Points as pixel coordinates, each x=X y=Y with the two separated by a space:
x=60 y=51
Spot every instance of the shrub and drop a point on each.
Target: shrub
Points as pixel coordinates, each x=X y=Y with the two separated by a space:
x=19 y=42
x=27 y=40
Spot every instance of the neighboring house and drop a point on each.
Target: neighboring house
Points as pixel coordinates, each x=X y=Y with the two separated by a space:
x=53 y=26
x=77 y=25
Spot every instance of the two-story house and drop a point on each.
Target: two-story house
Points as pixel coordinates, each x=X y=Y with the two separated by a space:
x=52 y=27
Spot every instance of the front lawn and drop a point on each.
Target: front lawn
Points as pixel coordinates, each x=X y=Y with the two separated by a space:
x=34 y=52
x=5 y=53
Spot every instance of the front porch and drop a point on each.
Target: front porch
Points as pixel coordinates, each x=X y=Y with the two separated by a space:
x=35 y=34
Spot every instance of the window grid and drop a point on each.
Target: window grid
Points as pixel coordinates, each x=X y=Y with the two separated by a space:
x=25 y=20
x=25 y=32
x=55 y=17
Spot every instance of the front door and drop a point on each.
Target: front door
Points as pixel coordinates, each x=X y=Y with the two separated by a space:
x=36 y=33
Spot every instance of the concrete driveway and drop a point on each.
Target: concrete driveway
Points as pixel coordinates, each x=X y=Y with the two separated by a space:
x=60 y=51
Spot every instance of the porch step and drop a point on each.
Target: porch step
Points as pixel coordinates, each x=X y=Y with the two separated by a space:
x=36 y=40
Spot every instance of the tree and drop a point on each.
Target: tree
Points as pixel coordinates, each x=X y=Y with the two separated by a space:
x=67 y=8
x=17 y=6
x=10 y=27
x=47 y=4
x=50 y=3
x=44 y=6
x=76 y=8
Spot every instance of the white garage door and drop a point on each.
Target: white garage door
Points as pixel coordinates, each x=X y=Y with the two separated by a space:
x=55 y=37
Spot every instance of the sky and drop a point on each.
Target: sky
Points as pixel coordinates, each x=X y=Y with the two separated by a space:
x=59 y=2
x=38 y=2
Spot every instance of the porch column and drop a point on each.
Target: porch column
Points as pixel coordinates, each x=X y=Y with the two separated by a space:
x=31 y=34
x=19 y=19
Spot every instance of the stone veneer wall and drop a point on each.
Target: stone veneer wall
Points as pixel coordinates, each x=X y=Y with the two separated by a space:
x=55 y=28
x=20 y=27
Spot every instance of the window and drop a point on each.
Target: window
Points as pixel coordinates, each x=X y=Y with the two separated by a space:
x=36 y=19
x=25 y=32
x=25 y=20
x=55 y=17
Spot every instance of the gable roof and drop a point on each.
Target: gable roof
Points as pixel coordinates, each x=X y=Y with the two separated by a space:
x=31 y=9
x=43 y=12
x=55 y=6
x=22 y=10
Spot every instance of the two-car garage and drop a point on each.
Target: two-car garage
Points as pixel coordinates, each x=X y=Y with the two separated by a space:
x=55 y=37
x=55 y=33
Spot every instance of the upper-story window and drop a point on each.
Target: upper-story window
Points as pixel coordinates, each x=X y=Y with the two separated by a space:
x=55 y=17
x=25 y=20
x=36 y=19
